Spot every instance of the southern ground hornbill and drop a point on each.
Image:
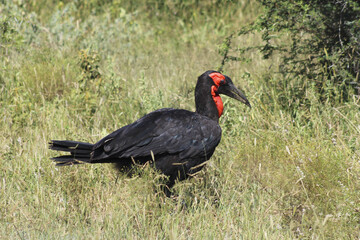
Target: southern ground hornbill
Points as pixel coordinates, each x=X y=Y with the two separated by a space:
x=175 y=141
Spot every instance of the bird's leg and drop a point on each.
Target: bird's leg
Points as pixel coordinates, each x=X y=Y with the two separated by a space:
x=166 y=190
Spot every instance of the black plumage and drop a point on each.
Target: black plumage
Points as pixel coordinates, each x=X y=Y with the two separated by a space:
x=175 y=141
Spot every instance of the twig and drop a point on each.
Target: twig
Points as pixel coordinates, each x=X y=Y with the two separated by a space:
x=225 y=58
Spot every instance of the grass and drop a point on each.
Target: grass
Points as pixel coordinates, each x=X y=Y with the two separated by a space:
x=273 y=176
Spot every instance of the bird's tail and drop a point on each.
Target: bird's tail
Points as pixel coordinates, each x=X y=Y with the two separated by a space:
x=79 y=152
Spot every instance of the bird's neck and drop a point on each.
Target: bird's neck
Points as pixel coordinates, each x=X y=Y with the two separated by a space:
x=208 y=102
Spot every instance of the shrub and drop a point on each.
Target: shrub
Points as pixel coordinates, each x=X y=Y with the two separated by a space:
x=318 y=43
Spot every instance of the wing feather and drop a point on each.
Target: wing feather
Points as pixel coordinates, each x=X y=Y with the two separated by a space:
x=170 y=131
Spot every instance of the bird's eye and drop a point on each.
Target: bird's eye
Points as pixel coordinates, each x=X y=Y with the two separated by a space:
x=222 y=82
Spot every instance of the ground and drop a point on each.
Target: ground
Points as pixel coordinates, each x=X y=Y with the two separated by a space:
x=80 y=70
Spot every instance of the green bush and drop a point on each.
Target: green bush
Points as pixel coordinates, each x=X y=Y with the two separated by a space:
x=318 y=43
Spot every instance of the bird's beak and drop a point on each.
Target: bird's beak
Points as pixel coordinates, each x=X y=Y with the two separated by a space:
x=231 y=91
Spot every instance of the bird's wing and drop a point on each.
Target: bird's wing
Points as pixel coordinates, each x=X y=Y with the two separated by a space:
x=166 y=131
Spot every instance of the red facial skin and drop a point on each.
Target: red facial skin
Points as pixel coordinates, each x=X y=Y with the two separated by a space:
x=217 y=99
x=218 y=79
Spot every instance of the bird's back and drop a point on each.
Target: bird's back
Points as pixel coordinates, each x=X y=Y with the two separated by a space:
x=176 y=141
x=165 y=131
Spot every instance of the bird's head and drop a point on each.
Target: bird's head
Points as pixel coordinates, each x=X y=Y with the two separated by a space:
x=217 y=84
x=222 y=84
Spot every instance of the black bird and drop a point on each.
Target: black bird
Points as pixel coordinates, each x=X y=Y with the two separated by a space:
x=175 y=141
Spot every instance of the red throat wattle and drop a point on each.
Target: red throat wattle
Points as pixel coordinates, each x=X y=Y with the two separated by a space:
x=218 y=78
x=217 y=99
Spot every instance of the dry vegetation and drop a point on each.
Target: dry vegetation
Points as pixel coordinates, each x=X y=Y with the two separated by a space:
x=80 y=70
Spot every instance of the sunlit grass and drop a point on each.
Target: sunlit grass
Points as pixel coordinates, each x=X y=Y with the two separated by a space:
x=272 y=176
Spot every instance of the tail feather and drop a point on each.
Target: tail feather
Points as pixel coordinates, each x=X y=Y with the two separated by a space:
x=70 y=145
x=69 y=160
x=79 y=152
x=74 y=151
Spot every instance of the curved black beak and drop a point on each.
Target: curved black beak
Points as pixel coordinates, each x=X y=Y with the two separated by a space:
x=230 y=90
